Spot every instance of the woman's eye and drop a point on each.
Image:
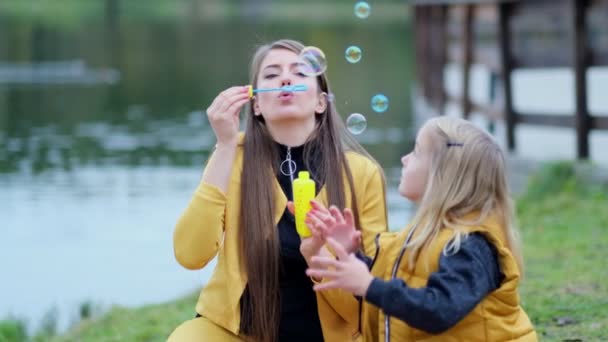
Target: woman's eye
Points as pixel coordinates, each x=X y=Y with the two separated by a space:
x=269 y=76
x=301 y=74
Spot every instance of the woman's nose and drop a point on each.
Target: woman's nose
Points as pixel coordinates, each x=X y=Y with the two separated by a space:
x=404 y=159
x=285 y=82
x=285 y=79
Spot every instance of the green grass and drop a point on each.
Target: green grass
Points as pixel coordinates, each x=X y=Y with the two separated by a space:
x=148 y=323
x=564 y=224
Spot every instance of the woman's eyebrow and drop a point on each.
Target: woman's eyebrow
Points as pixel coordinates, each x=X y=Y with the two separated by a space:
x=278 y=66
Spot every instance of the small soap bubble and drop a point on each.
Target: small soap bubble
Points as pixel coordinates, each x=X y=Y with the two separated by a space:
x=313 y=61
x=362 y=10
x=331 y=97
x=379 y=103
x=356 y=123
x=353 y=54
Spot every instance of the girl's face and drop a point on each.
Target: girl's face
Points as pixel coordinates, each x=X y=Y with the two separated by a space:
x=280 y=68
x=416 y=167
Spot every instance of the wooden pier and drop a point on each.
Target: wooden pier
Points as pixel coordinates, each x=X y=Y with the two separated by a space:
x=506 y=35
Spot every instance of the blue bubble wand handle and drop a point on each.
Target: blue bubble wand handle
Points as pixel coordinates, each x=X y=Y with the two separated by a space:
x=296 y=87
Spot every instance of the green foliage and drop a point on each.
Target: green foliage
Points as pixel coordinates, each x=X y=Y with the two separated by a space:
x=12 y=330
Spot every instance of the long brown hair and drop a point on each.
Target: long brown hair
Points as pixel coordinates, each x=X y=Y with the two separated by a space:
x=259 y=243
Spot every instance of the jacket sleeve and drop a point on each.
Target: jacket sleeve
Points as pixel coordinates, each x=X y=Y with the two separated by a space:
x=371 y=202
x=200 y=230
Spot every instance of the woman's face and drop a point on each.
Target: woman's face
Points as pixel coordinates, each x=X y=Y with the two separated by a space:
x=416 y=167
x=280 y=68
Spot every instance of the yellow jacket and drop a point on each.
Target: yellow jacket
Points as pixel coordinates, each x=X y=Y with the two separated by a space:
x=209 y=227
x=499 y=317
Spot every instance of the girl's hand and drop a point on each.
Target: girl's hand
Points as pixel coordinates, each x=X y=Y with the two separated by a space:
x=223 y=114
x=347 y=272
x=332 y=224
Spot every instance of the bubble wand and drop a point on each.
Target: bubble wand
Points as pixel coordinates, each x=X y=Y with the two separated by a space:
x=289 y=88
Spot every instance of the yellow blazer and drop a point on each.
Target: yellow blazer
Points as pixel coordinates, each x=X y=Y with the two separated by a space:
x=209 y=227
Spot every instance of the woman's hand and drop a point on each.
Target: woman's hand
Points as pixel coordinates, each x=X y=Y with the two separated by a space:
x=332 y=224
x=346 y=272
x=312 y=245
x=223 y=114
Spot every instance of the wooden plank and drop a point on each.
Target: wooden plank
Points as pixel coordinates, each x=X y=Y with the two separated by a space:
x=539 y=30
x=483 y=55
x=545 y=119
x=466 y=60
x=566 y=121
x=490 y=112
x=598 y=58
x=504 y=43
x=599 y=122
x=441 y=13
x=580 y=78
x=597 y=32
x=456 y=2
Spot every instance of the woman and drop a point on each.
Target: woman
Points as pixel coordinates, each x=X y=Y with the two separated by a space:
x=259 y=290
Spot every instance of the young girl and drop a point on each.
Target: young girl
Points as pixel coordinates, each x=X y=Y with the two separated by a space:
x=453 y=273
x=259 y=290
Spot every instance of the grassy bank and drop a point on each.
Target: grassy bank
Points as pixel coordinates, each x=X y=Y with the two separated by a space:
x=563 y=220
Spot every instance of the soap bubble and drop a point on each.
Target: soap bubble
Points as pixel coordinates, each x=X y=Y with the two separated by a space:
x=362 y=10
x=353 y=54
x=379 y=103
x=313 y=61
x=356 y=123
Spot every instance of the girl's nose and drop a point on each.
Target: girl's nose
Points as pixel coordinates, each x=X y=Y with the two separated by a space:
x=404 y=159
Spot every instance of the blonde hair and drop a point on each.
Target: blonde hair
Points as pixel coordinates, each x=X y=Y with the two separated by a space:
x=466 y=175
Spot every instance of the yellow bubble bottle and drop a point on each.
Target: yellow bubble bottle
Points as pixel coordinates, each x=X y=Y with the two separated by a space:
x=303 y=193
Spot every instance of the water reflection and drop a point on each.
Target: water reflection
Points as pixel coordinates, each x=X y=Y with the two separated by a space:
x=62 y=72
x=138 y=142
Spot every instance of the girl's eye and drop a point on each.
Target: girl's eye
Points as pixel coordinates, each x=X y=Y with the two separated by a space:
x=301 y=74
x=269 y=76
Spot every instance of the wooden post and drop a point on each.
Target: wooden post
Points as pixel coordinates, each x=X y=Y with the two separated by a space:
x=583 y=121
x=504 y=43
x=422 y=51
x=467 y=45
x=443 y=56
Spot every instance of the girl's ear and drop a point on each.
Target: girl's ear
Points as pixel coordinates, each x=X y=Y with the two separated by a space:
x=322 y=103
x=256 y=107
